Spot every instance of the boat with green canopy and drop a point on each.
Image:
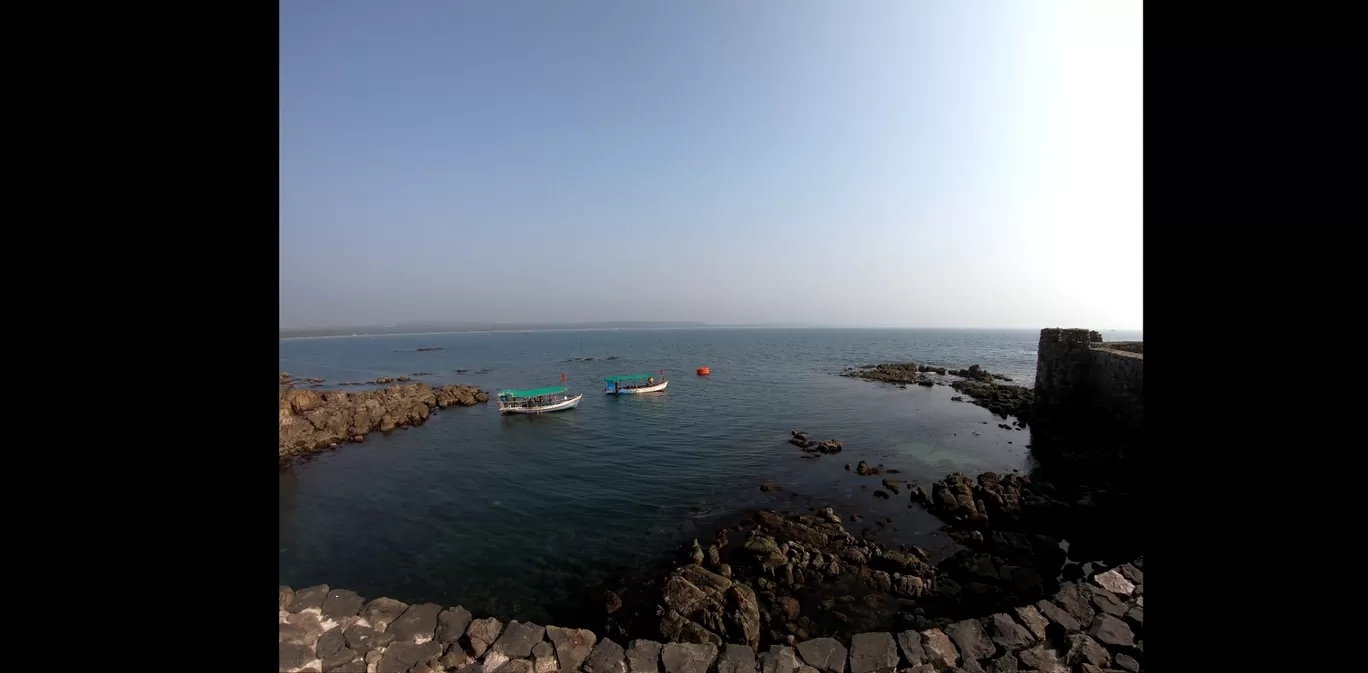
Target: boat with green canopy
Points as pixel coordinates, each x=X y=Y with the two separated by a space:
x=537 y=400
x=635 y=384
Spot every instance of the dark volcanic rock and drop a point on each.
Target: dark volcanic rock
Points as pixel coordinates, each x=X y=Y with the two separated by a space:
x=1111 y=631
x=1010 y=635
x=452 y=624
x=607 y=657
x=736 y=659
x=1083 y=649
x=482 y=633
x=286 y=596
x=401 y=656
x=910 y=642
x=971 y=639
x=572 y=646
x=342 y=603
x=686 y=657
x=872 y=652
x=416 y=624
x=311 y=597
x=1057 y=615
x=1043 y=659
x=364 y=638
x=293 y=655
x=518 y=638
x=643 y=656
x=824 y=654
x=381 y=612
x=940 y=650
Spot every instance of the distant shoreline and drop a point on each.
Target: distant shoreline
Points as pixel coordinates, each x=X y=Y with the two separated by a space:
x=654 y=328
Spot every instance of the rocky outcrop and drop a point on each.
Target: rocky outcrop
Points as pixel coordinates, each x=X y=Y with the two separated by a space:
x=1066 y=632
x=313 y=421
x=983 y=387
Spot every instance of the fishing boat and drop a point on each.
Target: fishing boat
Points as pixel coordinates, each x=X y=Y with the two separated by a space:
x=635 y=384
x=537 y=400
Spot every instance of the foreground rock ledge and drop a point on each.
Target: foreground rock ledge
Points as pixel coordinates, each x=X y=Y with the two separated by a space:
x=313 y=421
x=1094 y=625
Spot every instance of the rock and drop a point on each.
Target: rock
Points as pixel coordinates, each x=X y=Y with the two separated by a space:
x=872 y=652
x=544 y=658
x=1042 y=659
x=417 y=624
x=1057 y=615
x=674 y=627
x=514 y=666
x=1136 y=615
x=612 y=602
x=1113 y=581
x=1128 y=662
x=940 y=651
x=743 y=614
x=516 y=642
x=790 y=607
x=342 y=659
x=779 y=659
x=643 y=656
x=286 y=596
x=1006 y=663
x=973 y=642
x=824 y=654
x=342 y=603
x=364 y=638
x=329 y=643
x=1076 y=602
x=607 y=657
x=1106 y=602
x=686 y=657
x=311 y=597
x=1083 y=649
x=1131 y=573
x=294 y=656
x=381 y=612
x=572 y=646
x=451 y=624
x=862 y=469
x=403 y=655
x=456 y=657
x=482 y=633
x=736 y=659
x=767 y=486
x=351 y=667
x=1010 y=635
x=1111 y=631
x=881 y=494
x=910 y=642
x=1034 y=621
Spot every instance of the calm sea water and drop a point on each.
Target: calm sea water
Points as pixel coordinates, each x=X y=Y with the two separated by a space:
x=516 y=516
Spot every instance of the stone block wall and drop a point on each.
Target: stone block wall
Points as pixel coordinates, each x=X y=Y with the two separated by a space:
x=1084 y=383
x=1092 y=626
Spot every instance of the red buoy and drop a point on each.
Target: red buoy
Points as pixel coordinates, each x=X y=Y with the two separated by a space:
x=704 y=371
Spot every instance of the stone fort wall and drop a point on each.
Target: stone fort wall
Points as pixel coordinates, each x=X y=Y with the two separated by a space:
x=1084 y=382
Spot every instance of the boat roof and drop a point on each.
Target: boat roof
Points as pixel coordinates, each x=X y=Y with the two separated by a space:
x=533 y=392
x=629 y=377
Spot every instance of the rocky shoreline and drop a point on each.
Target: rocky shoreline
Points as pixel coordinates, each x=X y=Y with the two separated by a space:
x=312 y=421
x=984 y=388
x=803 y=591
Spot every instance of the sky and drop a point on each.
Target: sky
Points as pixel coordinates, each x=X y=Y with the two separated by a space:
x=880 y=163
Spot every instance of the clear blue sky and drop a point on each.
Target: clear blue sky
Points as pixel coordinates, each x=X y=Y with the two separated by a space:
x=921 y=164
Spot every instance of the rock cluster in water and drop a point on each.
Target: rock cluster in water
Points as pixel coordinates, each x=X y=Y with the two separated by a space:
x=982 y=386
x=313 y=421
x=1092 y=626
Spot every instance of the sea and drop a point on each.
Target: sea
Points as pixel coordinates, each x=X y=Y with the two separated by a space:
x=517 y=517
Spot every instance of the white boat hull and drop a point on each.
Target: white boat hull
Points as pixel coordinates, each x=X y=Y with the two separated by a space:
x=638 y=391
x=544 y=409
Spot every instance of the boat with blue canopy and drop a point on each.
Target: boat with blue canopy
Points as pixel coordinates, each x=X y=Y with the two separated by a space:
x=635 y=384
x=537 y=400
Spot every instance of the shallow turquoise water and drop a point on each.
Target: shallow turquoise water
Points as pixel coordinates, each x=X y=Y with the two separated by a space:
x=514 y=516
